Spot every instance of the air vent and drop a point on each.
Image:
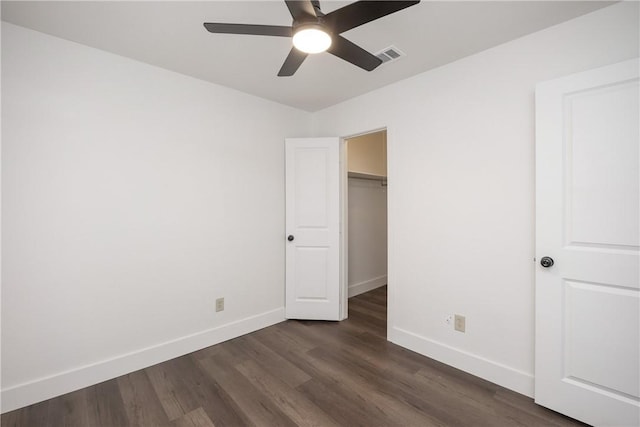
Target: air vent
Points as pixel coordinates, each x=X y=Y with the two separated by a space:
x=389 y=54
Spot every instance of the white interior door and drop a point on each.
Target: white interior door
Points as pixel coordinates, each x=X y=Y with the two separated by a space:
x=313 y=285
x=587 y=202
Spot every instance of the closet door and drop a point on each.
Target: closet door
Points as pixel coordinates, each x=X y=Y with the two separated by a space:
x=312 y=228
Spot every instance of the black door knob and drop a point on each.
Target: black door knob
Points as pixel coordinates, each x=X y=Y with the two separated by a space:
x=290 y=238
x=546 y=261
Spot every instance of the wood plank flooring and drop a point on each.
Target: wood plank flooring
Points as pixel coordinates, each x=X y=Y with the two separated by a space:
x=296 y=373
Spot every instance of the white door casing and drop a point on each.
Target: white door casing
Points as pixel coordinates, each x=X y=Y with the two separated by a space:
x=587 y=355
x=312 y=211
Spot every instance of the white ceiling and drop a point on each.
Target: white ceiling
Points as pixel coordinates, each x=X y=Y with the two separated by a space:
x=169 y=34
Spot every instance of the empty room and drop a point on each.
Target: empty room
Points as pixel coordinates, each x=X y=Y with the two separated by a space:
x=320 y=213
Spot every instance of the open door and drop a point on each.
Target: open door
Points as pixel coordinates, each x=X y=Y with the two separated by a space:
x=313 y=212
x=587 y=241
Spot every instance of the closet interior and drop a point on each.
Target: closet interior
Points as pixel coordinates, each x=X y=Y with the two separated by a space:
x=367 y=212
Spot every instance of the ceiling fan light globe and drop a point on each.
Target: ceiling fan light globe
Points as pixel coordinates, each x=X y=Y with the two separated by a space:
x=311 y=40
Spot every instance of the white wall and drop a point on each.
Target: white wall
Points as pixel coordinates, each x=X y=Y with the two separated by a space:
x=133 y=197
x=461 y=190
x=367 y=235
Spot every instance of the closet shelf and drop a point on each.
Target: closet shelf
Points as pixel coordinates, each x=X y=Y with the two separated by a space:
x=359 y=175
x=367 y=176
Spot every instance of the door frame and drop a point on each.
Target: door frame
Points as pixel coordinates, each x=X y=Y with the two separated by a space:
x=344 y=221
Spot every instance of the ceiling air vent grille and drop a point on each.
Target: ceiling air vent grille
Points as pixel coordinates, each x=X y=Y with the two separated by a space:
x=390 y=54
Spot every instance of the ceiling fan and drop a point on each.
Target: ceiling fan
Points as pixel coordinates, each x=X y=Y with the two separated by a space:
x=315 y=32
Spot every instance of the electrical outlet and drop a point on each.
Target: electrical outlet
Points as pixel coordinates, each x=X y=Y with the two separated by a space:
x=459 y=323
x=220 y=304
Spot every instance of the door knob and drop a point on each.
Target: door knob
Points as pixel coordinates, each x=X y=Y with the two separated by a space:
x=290 y=238
x=546 y=261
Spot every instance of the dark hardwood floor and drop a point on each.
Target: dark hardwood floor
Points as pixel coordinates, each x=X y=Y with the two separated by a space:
x=296 y=373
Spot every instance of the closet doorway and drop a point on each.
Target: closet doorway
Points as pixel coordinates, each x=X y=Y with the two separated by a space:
x=366 y=212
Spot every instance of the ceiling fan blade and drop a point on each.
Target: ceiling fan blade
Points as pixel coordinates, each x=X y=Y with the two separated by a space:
x=292 y=63
x=350 y=52
x=301 y=9
x=257 y=30
x=361 y=12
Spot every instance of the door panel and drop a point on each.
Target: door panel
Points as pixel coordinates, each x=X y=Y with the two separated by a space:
x=587 y=216
x=313 y=220
x=603 y=178
x=311 y=187
x=617 y=316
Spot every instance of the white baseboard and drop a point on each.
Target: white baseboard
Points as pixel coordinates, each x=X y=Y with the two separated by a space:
x=367 y=285
x=489 y=370
x=64 y=382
